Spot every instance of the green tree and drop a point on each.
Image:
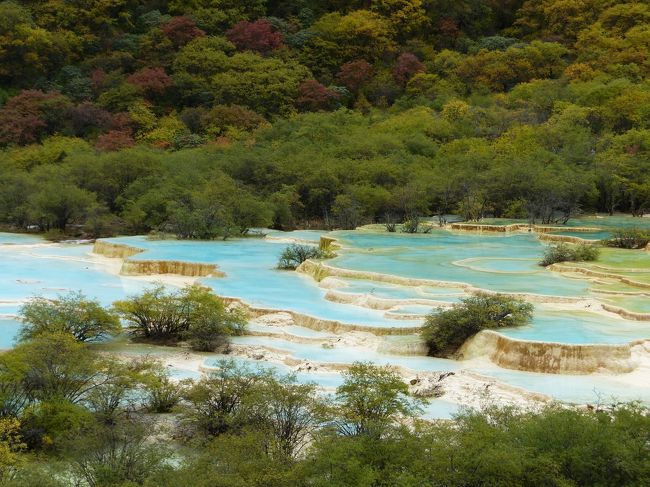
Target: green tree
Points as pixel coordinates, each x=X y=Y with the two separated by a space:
x=85 y=319
x=220 y=402
x=446 y=330
x=193 y=312
x=295 y=254
x=371 y=399
x=55 y=204
x=119 y=454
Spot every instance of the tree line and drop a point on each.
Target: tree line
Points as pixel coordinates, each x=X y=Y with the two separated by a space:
x=207 y=119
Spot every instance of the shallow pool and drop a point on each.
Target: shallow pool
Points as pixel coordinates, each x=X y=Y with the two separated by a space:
x=437 y=257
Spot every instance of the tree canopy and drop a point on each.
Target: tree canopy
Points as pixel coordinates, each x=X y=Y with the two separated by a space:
x=319 y=112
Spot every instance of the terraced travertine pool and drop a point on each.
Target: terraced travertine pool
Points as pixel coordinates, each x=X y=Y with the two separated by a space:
x=506 y=263
x=456 y=263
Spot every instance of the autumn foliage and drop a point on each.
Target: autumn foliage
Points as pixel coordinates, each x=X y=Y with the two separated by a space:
x=181 y=30
x=151 y=80
x=257 y=36
x=406 y=66
x=353 y=74
x=115 y=140
x=313 y=96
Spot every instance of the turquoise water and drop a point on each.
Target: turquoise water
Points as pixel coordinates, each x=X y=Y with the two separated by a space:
x=440 y=409
x=55 y=269
x=571 y=388
x=499 y=262
x=308 y=235
x=601 y=221
x=19 y=238
x=9 y=329
x=432 y=256
x=586 y=235
x=581 y=389
x=298 y=331
x=249 y=265
x=579 y=327
x=346 y=355
x=413 y=309
x=610 y=222
x=250 y=274
x=393 y=291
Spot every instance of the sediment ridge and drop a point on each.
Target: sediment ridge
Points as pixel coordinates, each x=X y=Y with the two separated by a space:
x=132 y=267
x=321 y=324
x=373 y=302
x=517 y=227
x=549 y=357
x=115 y=250
x=565 y=238
x=327 y=243
x=319 y=271
x=630 y=315
x=592 y=273
x=177 y=267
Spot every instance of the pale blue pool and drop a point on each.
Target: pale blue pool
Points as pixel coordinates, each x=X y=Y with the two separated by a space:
x=432 y=256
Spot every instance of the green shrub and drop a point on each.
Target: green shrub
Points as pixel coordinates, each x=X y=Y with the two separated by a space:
x=569 y=253
x=162 y=394
x=295 y=254
x=194 y=313
x=55 y=235
x=629 y=238
x=85 y=319
x=446 y=330
x=411 y=225
x=585 y=253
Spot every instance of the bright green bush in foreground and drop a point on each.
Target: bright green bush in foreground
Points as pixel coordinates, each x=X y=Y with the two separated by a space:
x=70 y=416
x=73 y=313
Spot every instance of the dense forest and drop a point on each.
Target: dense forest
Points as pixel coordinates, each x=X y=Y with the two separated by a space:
x=208 y=117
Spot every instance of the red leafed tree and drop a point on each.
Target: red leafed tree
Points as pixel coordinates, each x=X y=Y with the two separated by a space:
x=115 y=140
x=354 y=73
x=122 y=122
x=23 y=119
x=151 y=80
x=313 y=96
x=448 y=28
x=87 y=118
x=98 y=78
x=181 y=30
x=406 y=66
x=254 y=36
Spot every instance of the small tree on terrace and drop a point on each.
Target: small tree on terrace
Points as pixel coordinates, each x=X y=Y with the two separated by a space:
x=85 y=319
x=194 y=313
x=295 y=254
x=446 y=330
